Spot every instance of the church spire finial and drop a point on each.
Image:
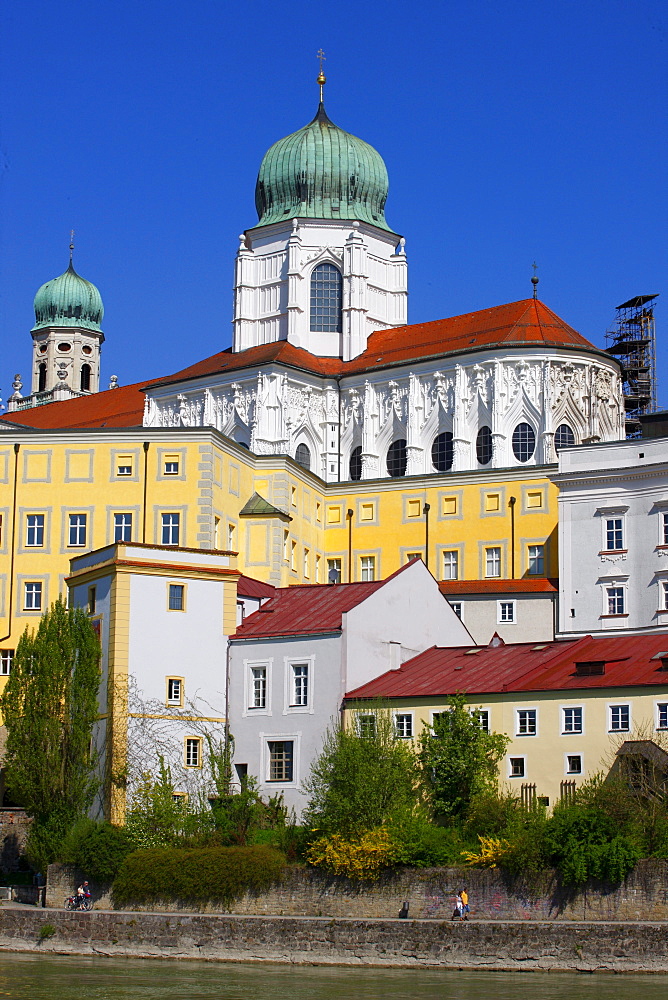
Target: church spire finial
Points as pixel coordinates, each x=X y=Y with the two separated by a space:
x=534 y=280
x=71 y=245
x=322 y=79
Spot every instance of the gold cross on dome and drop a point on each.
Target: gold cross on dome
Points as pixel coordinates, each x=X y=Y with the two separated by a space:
x=322 y=79
x=321 y=56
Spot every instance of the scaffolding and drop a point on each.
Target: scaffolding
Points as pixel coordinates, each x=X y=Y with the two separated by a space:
x=633 y=343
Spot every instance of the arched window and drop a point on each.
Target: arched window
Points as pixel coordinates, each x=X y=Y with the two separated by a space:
x=41 y=383
x=85 y=378
x=356 y=463
x=397 y=458
x=326 y=294
x=303 y=456
x=483 y=445
x=564 y=437
x=442 y=452
x=524 y=442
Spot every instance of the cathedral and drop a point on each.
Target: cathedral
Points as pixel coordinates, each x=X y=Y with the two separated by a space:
x=323 y=365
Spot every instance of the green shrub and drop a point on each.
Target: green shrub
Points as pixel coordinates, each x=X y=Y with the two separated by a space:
x=421 y=844
x=98 y=849
x=197 y=876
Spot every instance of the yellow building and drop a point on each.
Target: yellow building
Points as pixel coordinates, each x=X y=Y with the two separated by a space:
x=571 y=709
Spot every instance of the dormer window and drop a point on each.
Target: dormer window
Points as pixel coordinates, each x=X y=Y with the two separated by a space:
x=326 y=298
x=590 y=668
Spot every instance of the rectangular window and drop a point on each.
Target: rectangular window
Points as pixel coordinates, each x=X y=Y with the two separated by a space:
x=316 y=574
x=174 y=690
x=170 y=529
x=6 y=660
x=492 y=501
x=0 y=529
x=286 y=545
x=368 y=568
x=536 y=560
x=449 y=505
x=535 y=499
x=572 y=720
x=367 y=512
x=122 y=527
x=517 y=767
x=664 y=527
x=34 y=530
x=193 y=751
x=493 y=562
x=526 y=721
x=318 y=511
x=664 y=596
x=457 y=608
x=299 y=685
x=505 y=611
x=176 y=597
x=614 y=534
x=451 y=565
x=171 y=467
x=32 y=597
x=661 y=713
x=403 y=724
x=124 y=465
x=573 y=763
x=77 y=534
x=293 y=556
x=306 y=564
x=411 y=556
x=258 y=694
x=231 y=537
x=333 y=571
x=280 y=760
x=366 y=725
x=92 y=600
x=483 y=719
x=615 y=596
x=620 y=718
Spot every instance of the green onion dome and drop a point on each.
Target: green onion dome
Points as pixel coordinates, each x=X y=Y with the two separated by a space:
x=322 y=172
x=69 y=300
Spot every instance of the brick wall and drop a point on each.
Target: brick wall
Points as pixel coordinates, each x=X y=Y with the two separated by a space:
x=14 y=826
x=430 y=893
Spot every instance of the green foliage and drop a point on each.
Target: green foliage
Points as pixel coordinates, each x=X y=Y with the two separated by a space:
x=421 y=844
x=49 y=706
x=459 y=759
x=583 y=842
x=216 y=875
x=360 y=857
x=158 y=818
x=361 y=782
x=98 y=849
x=46 y=931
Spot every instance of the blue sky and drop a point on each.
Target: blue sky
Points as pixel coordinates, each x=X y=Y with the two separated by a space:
x=512 y=132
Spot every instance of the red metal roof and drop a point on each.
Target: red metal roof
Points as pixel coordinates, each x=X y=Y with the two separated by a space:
x=249 y=587
x=528 y=322
x=121 y=407
x=457 y=588
x=440 y=672
x=311 y=609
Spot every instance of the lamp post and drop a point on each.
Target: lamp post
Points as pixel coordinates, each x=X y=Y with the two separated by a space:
x=425 y=511
x=511 y=504
x=349 y=513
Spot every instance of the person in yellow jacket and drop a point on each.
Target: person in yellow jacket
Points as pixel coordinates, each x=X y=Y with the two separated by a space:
x=466 y=909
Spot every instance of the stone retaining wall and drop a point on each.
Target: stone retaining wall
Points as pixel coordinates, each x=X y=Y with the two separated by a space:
x=520 y=945
x=430 y=893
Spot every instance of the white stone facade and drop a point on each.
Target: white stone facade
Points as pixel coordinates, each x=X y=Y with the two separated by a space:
x=273 y=281
x=613 y=537
x=276 y=409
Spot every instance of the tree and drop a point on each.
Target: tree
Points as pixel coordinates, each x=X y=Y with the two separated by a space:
x=364 y=777
x=49 y=707
x=459 y=759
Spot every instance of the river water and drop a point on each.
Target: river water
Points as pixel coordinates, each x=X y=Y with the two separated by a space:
x=52 y=977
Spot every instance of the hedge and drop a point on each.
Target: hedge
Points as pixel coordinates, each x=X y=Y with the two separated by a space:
x=196 y=876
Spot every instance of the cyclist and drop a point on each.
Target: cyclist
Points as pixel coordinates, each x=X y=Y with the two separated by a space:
x=83 y=892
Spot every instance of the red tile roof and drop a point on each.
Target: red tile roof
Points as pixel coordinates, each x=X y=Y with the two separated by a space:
x=312 y=609
x=121 y=407
x=440 y=672
x=457 y=588
x=249 y=587
x=528 y=322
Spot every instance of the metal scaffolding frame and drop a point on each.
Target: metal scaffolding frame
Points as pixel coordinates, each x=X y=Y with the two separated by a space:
x=633 y=343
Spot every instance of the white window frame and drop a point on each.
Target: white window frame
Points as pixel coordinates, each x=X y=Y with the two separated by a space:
x=121 y=525
x=370 y=560
x=500 y=605
x=169 y=527
x=411 y=725
x=619 y=704
x=661 y=706
x=663 y=527
x=663 y=595
x=182 y=586
x=457 y=605
x=454 y=564
x=167 y=470
x=569 y=773
x=517 y=756
x=526 y=708
x=493 y=560
x=36 y=529
x=249 y=666
x=38 y=590
x=572 y=708
x=171 y=701
x=532 y=561
x=77 y=528
x=620 y=595
x=289 y=663
x=335 y=562
x=194 y=740
x=265 y=758
x=434 y=712
x=6 y=661
x=306 y=568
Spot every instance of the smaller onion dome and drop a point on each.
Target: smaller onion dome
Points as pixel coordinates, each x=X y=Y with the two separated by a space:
x=68 y=300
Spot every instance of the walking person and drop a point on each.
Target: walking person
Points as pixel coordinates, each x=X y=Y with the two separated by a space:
x=466 y=909
x=458 y=910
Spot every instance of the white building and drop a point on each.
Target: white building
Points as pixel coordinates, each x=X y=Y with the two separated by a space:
x=522 y=610
x=613 y=537
x=292 y=661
